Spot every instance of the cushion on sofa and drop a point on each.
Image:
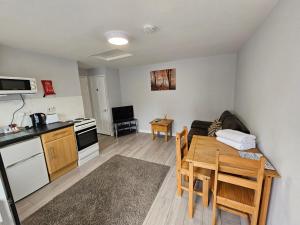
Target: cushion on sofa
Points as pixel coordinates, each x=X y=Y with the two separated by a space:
x=201 y=124
x=214 y=127
x=224 y=115
x=232 y=122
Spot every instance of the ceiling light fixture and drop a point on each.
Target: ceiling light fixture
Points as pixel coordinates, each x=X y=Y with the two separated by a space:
x=117 y=37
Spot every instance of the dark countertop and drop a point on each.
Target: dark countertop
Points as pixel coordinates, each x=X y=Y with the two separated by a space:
x=8 y=139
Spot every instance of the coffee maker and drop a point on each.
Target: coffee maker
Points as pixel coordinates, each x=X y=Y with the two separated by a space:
x=38 y=119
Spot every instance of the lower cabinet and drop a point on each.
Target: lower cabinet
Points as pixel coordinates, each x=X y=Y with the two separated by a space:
x=60 y=151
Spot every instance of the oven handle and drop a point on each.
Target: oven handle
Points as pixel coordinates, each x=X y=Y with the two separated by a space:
x=94 y=128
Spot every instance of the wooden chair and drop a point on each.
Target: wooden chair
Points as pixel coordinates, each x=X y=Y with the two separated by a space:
x=237 y=186
x=182 y=168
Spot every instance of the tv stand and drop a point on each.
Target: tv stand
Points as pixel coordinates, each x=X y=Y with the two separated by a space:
x=125 y=127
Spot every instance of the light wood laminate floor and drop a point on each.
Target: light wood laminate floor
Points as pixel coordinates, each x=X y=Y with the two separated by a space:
x=167 y=208
x=106 y=141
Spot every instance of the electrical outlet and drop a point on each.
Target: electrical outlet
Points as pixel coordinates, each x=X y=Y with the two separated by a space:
x=51 y=109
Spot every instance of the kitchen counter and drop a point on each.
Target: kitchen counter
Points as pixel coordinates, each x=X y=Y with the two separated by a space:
x=24 y=134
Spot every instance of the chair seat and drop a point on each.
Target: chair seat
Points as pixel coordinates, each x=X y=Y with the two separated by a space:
x=199 y=173
x=236 y=193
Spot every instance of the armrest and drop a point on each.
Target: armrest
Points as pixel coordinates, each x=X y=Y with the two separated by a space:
x=201 y=124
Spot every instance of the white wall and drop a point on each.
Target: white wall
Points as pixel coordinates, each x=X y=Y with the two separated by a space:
x=63 y=73
x=267 y=99
x=205 y=88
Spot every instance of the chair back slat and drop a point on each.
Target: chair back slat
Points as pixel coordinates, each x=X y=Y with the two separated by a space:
x=237 y=166
x=239 y=181
x=236 y=161
x=238 y=171
x=181 y=145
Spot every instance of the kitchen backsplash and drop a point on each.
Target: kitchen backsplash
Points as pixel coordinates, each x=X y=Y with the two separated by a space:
x=66 y=107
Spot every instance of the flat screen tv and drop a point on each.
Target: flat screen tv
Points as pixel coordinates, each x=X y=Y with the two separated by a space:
x=124 y=113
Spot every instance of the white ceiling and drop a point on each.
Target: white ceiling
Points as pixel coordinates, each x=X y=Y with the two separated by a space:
x=75 y=28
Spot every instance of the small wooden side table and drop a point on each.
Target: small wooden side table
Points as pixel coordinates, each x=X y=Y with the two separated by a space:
x=161 y=125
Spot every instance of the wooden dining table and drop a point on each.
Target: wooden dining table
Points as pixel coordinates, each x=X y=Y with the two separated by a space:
x=202 y=153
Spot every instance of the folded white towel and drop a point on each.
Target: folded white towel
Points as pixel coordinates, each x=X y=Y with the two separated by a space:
x=235 y=135
x=237 y=145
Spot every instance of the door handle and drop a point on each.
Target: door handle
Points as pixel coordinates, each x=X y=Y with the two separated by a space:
x=51 y=153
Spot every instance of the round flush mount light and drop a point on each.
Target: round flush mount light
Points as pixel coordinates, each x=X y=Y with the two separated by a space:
x=117 y=37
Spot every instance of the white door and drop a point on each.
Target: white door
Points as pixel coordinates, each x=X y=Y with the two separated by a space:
x=85 y=92
x=100 y=104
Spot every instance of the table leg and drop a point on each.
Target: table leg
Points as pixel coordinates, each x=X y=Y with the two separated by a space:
x=179 y=183
x=205 y=188
x=265 y=198
x=153 y=134
x=191 y=189
x=166 y=136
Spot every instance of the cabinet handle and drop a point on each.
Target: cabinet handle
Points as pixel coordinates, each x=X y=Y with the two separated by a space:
x=23 y=160
x=60 y=133
x=51 y=153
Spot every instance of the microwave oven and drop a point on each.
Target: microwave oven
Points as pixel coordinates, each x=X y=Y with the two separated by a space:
x=17 y=85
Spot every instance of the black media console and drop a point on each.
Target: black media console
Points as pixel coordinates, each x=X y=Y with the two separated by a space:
x=124 y=121
x=125 y=127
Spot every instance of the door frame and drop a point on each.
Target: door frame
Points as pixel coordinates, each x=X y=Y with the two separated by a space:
x=88 y=107
x=108 y=105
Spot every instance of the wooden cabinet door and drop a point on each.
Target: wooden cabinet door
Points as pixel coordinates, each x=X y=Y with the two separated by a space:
x=60 y=153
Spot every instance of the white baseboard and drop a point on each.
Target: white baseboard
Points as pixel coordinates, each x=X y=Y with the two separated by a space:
x=145 y=131
x=150 y=132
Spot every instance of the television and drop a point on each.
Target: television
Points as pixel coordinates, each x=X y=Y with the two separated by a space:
x=124 y=113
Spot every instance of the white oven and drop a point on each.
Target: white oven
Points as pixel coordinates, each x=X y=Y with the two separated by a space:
x=87 y=139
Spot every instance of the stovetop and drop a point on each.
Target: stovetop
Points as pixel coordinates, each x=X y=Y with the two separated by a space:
x=81 y=123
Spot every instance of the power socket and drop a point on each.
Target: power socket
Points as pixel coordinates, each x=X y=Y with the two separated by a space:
x=51 y=109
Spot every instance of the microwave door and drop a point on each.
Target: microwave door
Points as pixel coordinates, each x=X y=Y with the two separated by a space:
x=8 y=211
x=10 y=84
x=17 y=85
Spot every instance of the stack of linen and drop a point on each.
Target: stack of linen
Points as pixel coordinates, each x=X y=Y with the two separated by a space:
x=236 y=139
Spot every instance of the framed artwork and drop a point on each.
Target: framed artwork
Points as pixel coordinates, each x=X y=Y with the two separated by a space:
x=163 y=80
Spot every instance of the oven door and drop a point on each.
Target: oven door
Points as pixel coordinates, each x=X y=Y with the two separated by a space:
x=86 y=137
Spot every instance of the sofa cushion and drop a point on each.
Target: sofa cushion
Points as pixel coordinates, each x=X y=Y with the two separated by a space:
x=214 y=127
x=200 y=124
x=224 y=115
x=232 y=122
